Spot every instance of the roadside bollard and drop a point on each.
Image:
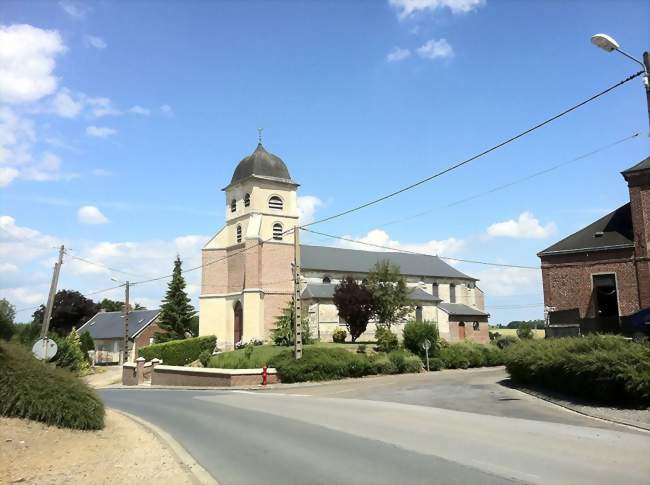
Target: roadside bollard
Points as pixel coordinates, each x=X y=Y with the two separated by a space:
x=264 y=375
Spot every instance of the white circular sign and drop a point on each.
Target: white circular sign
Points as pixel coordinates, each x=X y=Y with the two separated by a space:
x=44 y=348
x=426 y=345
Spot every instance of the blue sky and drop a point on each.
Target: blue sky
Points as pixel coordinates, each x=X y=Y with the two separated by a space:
x=141 y=111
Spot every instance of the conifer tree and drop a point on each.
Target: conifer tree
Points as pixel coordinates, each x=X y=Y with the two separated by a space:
x=176 y=312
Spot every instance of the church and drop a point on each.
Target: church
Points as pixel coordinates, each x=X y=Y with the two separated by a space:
x=247 y=277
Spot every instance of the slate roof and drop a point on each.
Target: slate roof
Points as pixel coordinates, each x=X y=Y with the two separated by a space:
x=325 y=291
x=324 y=258
x=263 y=164
x=458 y=309
x=613 y=231
x=108 y=325
x=642 y=165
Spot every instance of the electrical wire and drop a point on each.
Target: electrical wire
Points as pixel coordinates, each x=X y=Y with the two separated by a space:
x=479 y=155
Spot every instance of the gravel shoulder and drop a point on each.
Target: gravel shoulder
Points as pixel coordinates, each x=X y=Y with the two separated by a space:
x=123 y=452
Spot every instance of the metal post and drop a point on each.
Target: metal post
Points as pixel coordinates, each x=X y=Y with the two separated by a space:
x=646 y=80
x=50 y=299
x=297 y=345
x=126 y=323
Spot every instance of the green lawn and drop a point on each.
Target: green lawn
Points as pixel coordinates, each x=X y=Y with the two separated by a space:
x=538 y=332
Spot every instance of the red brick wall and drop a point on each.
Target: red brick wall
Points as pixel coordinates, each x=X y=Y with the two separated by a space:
x=142 y=340
x=214 y=276
x=481 y=335
x=567 y=280
x=639 y=186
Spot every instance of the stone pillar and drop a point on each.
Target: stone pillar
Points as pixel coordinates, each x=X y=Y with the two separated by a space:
x=140 y=369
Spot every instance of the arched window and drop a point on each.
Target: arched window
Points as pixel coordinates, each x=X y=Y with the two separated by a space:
x=238 y=234
x=327 y=279
x=247 y=200
x=233 y=205
x=275 y=202
x=277 y=231
x=418 y=314
x=476 y=326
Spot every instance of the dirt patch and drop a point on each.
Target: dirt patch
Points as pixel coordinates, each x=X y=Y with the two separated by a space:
x=123 y=452
x=104 y=376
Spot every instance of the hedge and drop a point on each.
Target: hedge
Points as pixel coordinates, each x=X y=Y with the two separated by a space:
x=33 y=390
x=605 y=369
x=178 y=352
x=467 y=354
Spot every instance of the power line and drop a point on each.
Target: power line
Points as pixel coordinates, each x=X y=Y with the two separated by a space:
x=514 y=182
x=473 y=261
x=479 y=155
x=85 y=295
x=100 y=265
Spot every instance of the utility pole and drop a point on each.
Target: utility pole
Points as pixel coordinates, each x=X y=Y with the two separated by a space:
x=646 y=80
x=52 y=295
x=297 y=330
x=126 y=323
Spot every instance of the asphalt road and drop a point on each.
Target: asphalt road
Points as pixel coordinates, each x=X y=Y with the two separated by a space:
x=310 y=435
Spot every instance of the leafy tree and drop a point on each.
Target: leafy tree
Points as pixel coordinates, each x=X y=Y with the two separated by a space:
x=110 y=305
x=69 y=353
x=7 y=315
x=87 y=342
x=71 y=309
x=194 y=326
x=176 y=312
x=27 y=333
x=354 y=304
x=415 y=333
x=525 y=332
x=390 y=295
x=137 y=306
x=283 y=333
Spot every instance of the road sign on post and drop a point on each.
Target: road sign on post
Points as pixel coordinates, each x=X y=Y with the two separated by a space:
x=426 y=345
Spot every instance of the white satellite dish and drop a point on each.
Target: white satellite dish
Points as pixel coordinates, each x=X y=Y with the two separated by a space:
x=44 y=349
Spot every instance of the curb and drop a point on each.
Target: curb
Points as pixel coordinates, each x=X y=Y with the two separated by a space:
x=582 y=413
x=200 y=474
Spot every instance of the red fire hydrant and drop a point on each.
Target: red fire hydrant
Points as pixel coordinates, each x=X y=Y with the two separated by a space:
x=264 y=376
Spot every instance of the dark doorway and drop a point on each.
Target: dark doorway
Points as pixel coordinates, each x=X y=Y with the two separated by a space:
x=605 y=296
x=239 y=322
x=461 y=331
x=418 y=313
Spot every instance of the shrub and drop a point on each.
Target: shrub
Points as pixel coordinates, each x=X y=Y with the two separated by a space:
x=33 y=390
x=386 y=340
x=319 y=364
x=415 y=334
x=178 y=352
x=241 y=359
x=339 y=335
x=503 y=342
x=69 y=354
x=494 y=335
x=436 y=364
x=204 y=357
x=605 y=369
x=87 y=343
x=361 y=349
x=525 y=332
x=405 y=362
x=283 y=333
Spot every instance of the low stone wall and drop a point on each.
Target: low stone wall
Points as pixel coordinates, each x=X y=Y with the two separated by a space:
x=171 y=375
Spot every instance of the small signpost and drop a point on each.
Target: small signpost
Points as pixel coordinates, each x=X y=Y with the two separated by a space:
x=44 y=349
x=426 y=345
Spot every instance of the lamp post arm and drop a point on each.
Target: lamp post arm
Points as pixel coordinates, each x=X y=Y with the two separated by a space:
x=645 y=68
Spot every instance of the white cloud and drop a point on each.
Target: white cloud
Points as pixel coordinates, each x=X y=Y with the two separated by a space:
x=96 y=42
x=48 y=168
x=76 y=10
x=445 y=247
x=407 y=8
x=436 y=49
x=397 y=54
x=139 y=110
x=64 y=105
x=7 y=175
x=27 y=61
x=509 y=281
x=8 y=268
x=166 y=110
x=525 y=227
x=99 y=131
x=100 y=172
x=89 y=214
x=307 y=205
x=102 y=107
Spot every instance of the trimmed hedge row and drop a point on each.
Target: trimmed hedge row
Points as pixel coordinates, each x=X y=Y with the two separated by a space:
x=606 y=369
x=319 y=364
x=32 y=390
x=467 y=354
x=178 y=352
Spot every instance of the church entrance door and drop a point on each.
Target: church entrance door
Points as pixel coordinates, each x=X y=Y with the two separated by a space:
x=239 y=322
x=461 y=331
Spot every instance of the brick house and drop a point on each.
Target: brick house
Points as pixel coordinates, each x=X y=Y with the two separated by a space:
x=107 y=330
x=602 y=272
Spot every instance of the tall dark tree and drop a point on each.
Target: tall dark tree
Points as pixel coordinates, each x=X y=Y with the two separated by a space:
x=176 y=312
x=71 y=309
x=7 y=315
x=355 y=305
x=110 y=305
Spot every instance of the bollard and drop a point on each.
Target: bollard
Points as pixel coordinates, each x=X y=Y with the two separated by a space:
x=264 y=376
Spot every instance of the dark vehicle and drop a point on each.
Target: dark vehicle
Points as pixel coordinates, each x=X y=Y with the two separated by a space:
x=637 y=325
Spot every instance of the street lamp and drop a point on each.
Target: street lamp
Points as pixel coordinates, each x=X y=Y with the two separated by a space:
x=609 y=44
x=126 y=285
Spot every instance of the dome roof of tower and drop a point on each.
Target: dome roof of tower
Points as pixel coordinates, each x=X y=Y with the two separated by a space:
x=263 y=164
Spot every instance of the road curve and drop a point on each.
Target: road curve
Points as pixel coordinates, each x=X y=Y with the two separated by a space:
x=256 y=437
